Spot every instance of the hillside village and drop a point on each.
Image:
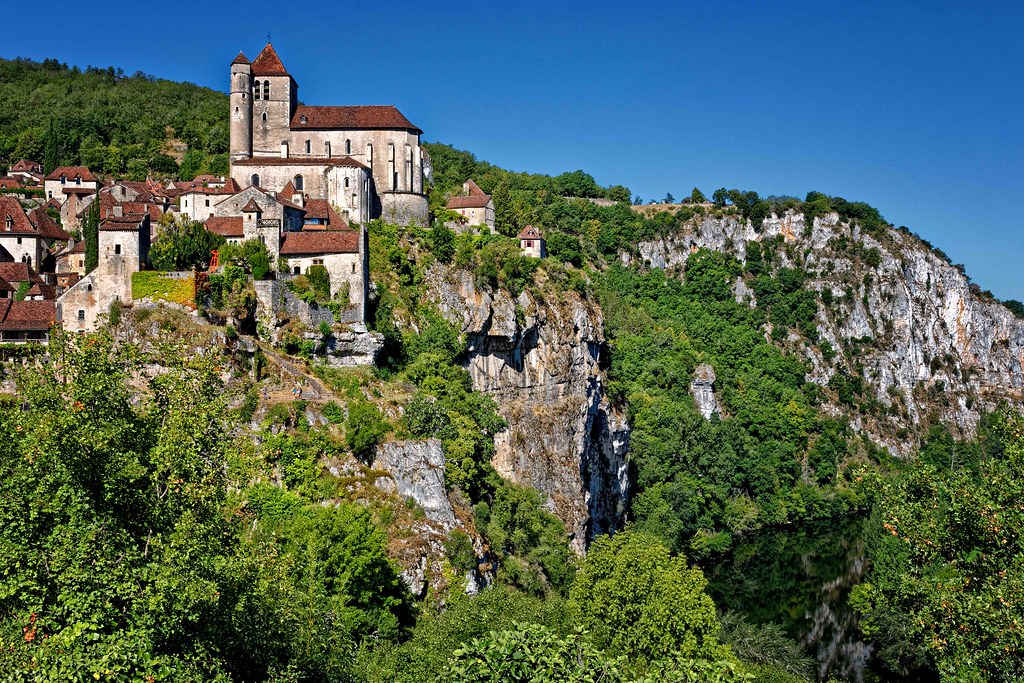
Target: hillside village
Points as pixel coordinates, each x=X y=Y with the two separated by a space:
x=303 y=183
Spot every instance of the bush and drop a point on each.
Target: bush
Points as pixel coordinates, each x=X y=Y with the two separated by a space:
x=365 y=429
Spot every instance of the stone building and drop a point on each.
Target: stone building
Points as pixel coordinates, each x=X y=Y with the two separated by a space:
x=365 y=160
x=532 y=242
x=264 y=217
x=475 y=207
x=68 y=180
x=339 y=251
x=27 y=238
x=123 y=250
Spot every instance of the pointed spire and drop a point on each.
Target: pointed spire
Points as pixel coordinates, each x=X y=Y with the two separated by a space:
x=268 y=63
x=241 y=59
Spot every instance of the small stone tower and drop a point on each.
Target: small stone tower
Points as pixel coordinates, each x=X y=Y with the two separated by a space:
x=241 y=108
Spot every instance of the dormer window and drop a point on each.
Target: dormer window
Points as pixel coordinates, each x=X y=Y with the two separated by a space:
x=78 y=180
x=8 y=223
x=303 y=119
x=63 y=179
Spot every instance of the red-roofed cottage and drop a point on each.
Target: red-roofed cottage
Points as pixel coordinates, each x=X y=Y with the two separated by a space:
x=474 y=206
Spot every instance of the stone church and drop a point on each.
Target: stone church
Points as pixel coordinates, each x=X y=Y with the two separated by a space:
x=365 y=160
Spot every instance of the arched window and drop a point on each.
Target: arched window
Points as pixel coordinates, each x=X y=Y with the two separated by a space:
x=254 y=180
x=348 y=146
x=264 y=117
x=256 y=91
x=346 y=182
x=297 y=182
x=327 y=149
x=236 y=110
x=309 y=147
x=266 y=90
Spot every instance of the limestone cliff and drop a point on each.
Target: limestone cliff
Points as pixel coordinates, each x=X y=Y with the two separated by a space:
x=928 y=343
x=539 y=359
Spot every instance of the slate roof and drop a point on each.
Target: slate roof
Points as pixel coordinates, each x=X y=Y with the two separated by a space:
x=360 y=117
x=320 y=242
x=26 y=316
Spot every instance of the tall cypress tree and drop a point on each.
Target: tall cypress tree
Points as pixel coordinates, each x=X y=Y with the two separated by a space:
x=91 y=235
x=51 y=158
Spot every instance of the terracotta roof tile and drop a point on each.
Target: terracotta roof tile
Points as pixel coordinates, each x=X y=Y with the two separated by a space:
x=322 y=209
x=267 y=63
x=9 y=207
x=365 y=117
x=320 y=242
x=46 y=226
x=5 y=286
x=10 y=184
x=71 y=172
x=48 y=292
x=471 y=202
x=18 y=272
x=26 y=166
x=21 y=316
x=241 y=59
x=225 y=226
x=251 y=207
x=529 y=233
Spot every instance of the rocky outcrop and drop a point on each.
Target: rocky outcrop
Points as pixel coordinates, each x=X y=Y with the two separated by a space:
x=539 y=358
x=927 y=342
x=702 y=388
x=414 y=470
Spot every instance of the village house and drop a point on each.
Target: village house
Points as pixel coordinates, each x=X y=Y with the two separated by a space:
x=338 y=251
x=531 y=242
x=199 y=203
x=365 y=160
x=26 y=321
x=71 y=260
x=475 y=207
x=28 y=172
x=68 y=180
x=28 y=238
x=228 y=227
x=123 y=250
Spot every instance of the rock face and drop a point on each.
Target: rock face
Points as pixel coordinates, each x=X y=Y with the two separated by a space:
x=539 y=359
x=702 y=388
x=415 y=471
x=926 y=342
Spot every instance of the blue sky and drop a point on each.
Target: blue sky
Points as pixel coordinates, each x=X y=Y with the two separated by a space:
x=914 y=107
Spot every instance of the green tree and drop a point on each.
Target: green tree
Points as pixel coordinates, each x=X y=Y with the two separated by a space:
x=639 y=601
x=51 y=157
x=565 y=248
x=184 y=244
x=618 y=193
x=504 y=212
x=720 y=196
x=946 y=589
x=697 y=197
x=442 y=242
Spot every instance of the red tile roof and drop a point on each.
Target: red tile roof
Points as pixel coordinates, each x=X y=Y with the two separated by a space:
x=225 y=226
x=46 y=226
x=477 y=198
x=23 y=316
x=529 y=233
x=26 y=166
x=241 y=59
x=48 y=292
x=71 y=172
x=366 y=117
x=18 y=272
x=288 y=191
x=322 y=209
x=251 y=207
x=5 y=286
x=320 y=242
x=268 y=63
x=129 y=223
x=20 y=224
x=10 y=184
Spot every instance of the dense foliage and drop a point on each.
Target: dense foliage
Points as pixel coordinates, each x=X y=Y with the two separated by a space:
x=111 y=122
